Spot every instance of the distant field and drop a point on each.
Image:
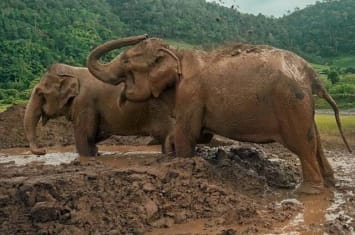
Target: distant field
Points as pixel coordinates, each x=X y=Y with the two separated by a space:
x=3 y=107
x=344 y=61
x=327 y=125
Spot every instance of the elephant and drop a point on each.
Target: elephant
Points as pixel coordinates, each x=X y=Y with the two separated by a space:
x=252 y=93
x=92 y=107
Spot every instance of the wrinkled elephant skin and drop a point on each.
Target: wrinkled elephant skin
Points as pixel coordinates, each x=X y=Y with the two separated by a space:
x=93 y=108
x=248 y=93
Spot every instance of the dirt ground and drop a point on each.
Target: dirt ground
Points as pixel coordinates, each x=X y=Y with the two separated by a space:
x=228 y=188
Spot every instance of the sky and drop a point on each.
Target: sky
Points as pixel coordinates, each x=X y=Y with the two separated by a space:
x=276 y=8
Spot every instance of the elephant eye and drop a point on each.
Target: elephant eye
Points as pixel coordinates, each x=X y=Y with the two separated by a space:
x=43 y=98
x=158 y=59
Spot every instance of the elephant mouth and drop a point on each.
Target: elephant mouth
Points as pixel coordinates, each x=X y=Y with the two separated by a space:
x=122 y=99
x=119 y=80
x=129 y=84
x=44 y=118
x=130 y=79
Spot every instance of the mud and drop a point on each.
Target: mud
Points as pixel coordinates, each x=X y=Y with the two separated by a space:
x=228 y=188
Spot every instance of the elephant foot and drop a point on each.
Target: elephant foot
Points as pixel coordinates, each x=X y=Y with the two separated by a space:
x=168 y=146
x=38 y=151
x=310 y=188
x=168 y=150
x=329 y=180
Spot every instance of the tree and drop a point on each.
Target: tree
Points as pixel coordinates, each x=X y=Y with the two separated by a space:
x=333 y=76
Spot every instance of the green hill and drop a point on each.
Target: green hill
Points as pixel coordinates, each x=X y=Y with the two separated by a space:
x=326 y=29
x=36 y=33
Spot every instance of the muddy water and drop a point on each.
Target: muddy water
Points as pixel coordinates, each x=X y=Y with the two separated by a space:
x=308 y=222
x=123 y=155
x=317 y=210
x=332 y=205
x=312 y=217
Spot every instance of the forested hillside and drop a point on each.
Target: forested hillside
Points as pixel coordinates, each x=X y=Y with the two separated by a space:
x=36 y=33
x=326 y=29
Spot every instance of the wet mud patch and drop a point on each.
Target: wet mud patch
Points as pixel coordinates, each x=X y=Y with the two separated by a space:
x=341 y=214
x=92 y=195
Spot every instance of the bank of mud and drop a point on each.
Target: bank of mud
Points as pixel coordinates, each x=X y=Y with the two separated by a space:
x=88 y=196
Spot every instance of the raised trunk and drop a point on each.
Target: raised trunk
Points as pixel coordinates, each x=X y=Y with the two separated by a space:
x=111 y=72
x=32 y=116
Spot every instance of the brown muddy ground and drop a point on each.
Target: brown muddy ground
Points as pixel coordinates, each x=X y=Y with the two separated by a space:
x=133 y=189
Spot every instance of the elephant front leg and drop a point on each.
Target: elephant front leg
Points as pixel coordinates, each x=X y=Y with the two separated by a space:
x=187 y=130
x=85 y=144
x=85 y=130
x=183 y=142
x=168 y=146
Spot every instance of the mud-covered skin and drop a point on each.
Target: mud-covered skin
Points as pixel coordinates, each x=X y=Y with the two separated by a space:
x=92 y=108
x=248 y=93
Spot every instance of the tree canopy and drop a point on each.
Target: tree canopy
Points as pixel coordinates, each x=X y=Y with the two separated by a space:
x=37 y=33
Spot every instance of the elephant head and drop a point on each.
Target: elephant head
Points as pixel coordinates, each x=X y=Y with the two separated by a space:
x=50 y=98
x=147 y=68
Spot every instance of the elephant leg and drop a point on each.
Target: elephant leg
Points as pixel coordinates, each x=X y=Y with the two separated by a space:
x=304 y=144
x=84 y=144
x=325 y=167
x=205 y=137
x=168 y=145
x=85 y=128
x=187 y=130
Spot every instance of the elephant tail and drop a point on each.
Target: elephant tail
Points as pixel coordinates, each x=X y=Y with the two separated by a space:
x=319 y=90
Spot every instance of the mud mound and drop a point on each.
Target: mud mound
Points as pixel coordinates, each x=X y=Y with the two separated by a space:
x=253 y=161
x=57 y=131
x=87 y=197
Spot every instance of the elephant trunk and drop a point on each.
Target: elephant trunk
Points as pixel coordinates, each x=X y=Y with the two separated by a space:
x=111 y=72
x=32 y=116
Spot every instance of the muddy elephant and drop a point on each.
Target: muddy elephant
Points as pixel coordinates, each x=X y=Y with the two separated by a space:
x=92 y=107
x=251 y=93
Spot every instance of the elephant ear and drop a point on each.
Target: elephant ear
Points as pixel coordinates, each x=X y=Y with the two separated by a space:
x=165 y=72
x=69 y=88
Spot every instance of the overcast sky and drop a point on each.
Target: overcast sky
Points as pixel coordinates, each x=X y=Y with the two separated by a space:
x=276 y=8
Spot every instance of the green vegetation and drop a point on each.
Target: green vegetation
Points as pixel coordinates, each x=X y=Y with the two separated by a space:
x=37 y=33
x=343 y=90
x=327 y=125
x=344 y=61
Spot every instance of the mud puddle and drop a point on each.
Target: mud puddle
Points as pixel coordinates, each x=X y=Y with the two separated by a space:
x=118 y=156
x=331 y=212
x=314 y=213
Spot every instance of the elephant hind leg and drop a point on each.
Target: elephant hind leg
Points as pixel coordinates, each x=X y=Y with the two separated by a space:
x=306 y=147
x=325 y=167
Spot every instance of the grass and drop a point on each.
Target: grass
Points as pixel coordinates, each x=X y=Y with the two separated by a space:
x=344 y=61
x=3 y=107
x=319 y=67
x=329 y=132
x=327 y=125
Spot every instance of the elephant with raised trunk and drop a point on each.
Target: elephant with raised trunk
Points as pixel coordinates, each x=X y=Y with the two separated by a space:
x=92 y=107
x=244 y=92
